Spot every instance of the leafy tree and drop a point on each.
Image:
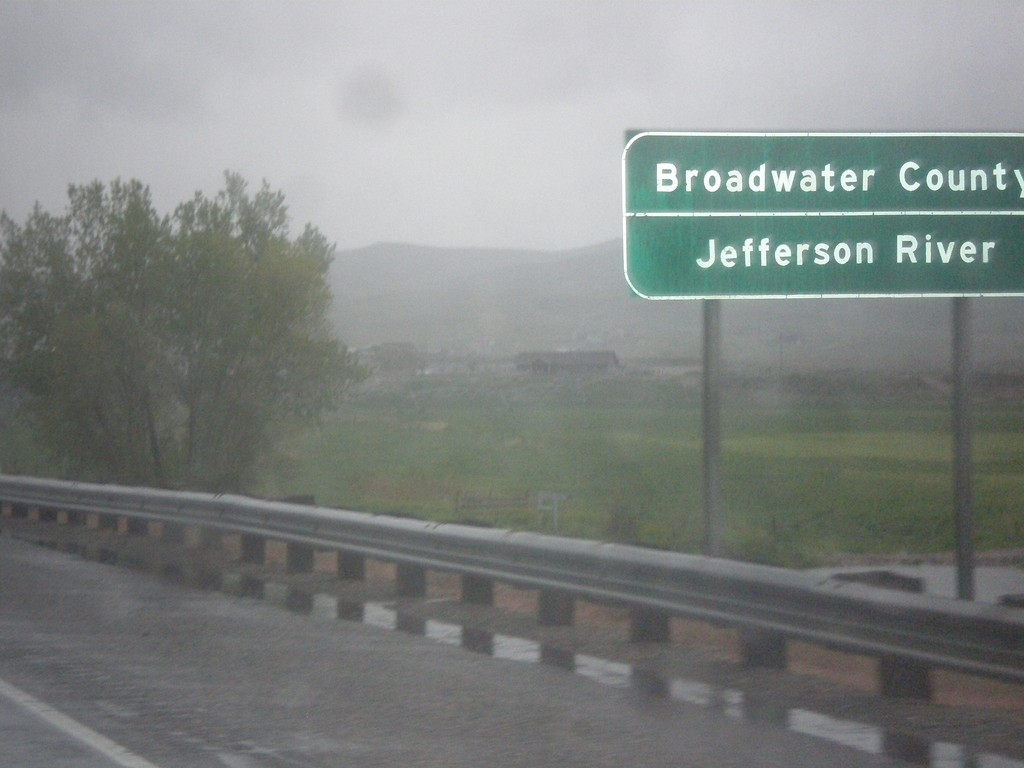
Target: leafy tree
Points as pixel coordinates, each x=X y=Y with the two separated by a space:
x=169 y=350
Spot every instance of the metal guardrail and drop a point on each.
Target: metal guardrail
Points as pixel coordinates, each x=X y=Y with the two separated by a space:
x=911 y=633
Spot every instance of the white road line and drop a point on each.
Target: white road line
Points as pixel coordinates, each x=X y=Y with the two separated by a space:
x=75 y=729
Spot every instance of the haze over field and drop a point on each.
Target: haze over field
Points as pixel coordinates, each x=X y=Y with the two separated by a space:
x=501 y=302
x=490 y=135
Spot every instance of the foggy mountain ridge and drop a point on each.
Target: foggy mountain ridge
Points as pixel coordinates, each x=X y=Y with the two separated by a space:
x=503 y=301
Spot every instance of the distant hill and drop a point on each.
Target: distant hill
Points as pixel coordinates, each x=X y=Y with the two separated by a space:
x=501 y=302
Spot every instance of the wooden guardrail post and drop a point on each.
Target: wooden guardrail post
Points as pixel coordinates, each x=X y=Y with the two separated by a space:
x=351 y=567
x=209 y=538
x=298 y=558
x=411 y=580
x=102 y=522
x=68 y=517
x=478 y=640
x=477 y=590
x=133 y=526
x=254 y=549
x=902 y=678
x=555 y=609
x=172 y=533
x=648 y=626
x=558 y=657
x=762 y=648
x=898 y=677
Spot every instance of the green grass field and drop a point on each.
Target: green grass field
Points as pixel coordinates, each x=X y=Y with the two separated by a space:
x=806 y=474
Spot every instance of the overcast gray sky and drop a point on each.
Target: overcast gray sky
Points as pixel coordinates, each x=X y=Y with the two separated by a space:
x=465 y=123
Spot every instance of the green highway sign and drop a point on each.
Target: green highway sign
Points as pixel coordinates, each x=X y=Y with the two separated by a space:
x=779 y=215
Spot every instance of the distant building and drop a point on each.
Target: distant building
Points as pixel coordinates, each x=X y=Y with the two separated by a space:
x=567 y=362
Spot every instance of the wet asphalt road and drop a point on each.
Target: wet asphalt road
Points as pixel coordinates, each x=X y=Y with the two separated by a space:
x=29 y=741
x=178 y=677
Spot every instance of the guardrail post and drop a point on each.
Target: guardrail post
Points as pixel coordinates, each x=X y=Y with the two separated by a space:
x=254 y=549
x=410 y=624
x=197 y=537
x=351 y=567
x=298 y=558
x=648 y=626
x=209 y=538
x=909 y=749
x=6 y=509
x=478 y=640
x=477 y=590
x=133 y=526
x=411 y=580
x=172 y=533
x=555 y=609
x=102 y=522
x=762 y=648
x=560 y=658
x=37 y=514
x=903 y=678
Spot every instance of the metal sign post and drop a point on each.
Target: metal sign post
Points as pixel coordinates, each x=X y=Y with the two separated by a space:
x=788 y=215
x=962 y=437
x=711 y=420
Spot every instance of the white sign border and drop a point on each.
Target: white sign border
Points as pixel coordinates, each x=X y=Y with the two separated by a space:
x=627 y=215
